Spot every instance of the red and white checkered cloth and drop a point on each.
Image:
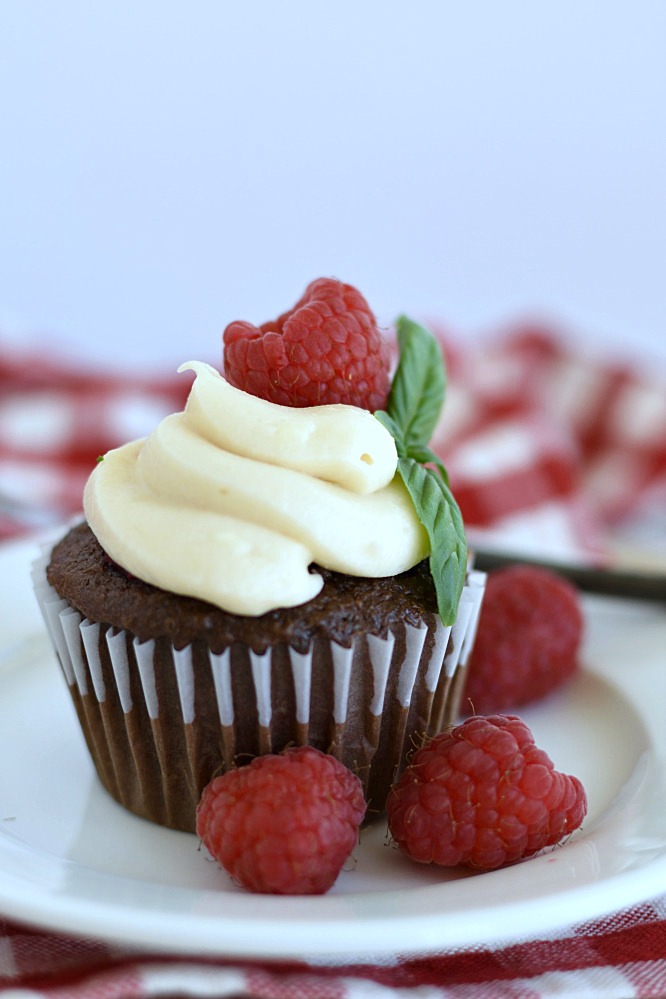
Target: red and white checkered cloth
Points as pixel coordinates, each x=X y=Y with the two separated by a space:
x=619 y=957
x=550 y=450
x=541 y=443
x=55 y=419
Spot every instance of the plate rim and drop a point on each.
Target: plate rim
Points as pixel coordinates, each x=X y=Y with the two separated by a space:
x=94 y=919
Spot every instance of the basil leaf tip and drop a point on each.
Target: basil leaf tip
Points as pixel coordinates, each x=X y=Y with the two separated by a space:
x=413 y=410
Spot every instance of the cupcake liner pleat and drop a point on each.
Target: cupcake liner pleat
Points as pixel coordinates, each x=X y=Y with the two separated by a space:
x=160 y=722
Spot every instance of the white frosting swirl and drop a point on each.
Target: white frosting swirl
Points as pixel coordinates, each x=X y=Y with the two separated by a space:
x=233 y=499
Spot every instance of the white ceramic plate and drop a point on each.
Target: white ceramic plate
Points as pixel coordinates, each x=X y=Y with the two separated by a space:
x=72 y=859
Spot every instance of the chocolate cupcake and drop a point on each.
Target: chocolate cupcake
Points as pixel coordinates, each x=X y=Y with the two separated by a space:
x=252 y=577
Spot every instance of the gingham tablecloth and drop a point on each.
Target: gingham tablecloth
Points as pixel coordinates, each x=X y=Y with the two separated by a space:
x=618 y=957
x=541 y=443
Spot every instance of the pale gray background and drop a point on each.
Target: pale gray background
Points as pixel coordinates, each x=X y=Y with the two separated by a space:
x=167 y=167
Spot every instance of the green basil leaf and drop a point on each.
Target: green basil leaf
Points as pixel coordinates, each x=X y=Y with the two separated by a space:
x=426 y=456
x=439 y=513
x=413 y=409
x=419 y=384
x=394 y=430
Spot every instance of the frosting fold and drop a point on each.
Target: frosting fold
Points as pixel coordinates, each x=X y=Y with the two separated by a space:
x=234 y=498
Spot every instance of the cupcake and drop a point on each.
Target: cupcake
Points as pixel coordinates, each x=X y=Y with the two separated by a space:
x=263 y=571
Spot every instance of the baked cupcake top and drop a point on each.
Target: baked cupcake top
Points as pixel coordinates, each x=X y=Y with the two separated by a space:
x=82 y=572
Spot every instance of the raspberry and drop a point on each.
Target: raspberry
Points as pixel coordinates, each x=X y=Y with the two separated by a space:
x=283 y=824
x=327 y=349
x=527 y=644
x=482 y=794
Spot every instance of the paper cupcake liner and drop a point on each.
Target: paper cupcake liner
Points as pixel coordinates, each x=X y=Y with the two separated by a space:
x=159 y=722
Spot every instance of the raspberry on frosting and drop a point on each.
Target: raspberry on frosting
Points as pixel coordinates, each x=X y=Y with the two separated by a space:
x=326 y=349
x=483 y=795
x=283 y=824
x=528 y=639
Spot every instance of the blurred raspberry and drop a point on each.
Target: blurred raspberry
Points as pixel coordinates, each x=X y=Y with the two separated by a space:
x=325 y=350
x=283 y=824
x=527 y=644
x=483 y=795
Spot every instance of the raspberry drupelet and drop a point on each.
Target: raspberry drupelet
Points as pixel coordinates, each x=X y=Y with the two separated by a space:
x=483 y=795
x=327 y=349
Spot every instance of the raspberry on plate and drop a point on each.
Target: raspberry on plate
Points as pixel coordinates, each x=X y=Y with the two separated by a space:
x=325 y=350
x=528 y=639
x=482 y=794
x=283 y=824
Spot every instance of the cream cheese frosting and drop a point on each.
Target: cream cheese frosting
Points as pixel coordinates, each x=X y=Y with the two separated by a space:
x=234 y=498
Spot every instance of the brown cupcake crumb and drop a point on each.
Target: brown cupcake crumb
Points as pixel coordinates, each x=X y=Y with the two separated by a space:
x=81 y=571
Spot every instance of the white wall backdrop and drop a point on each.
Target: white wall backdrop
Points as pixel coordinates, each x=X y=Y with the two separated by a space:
x=167 y=167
